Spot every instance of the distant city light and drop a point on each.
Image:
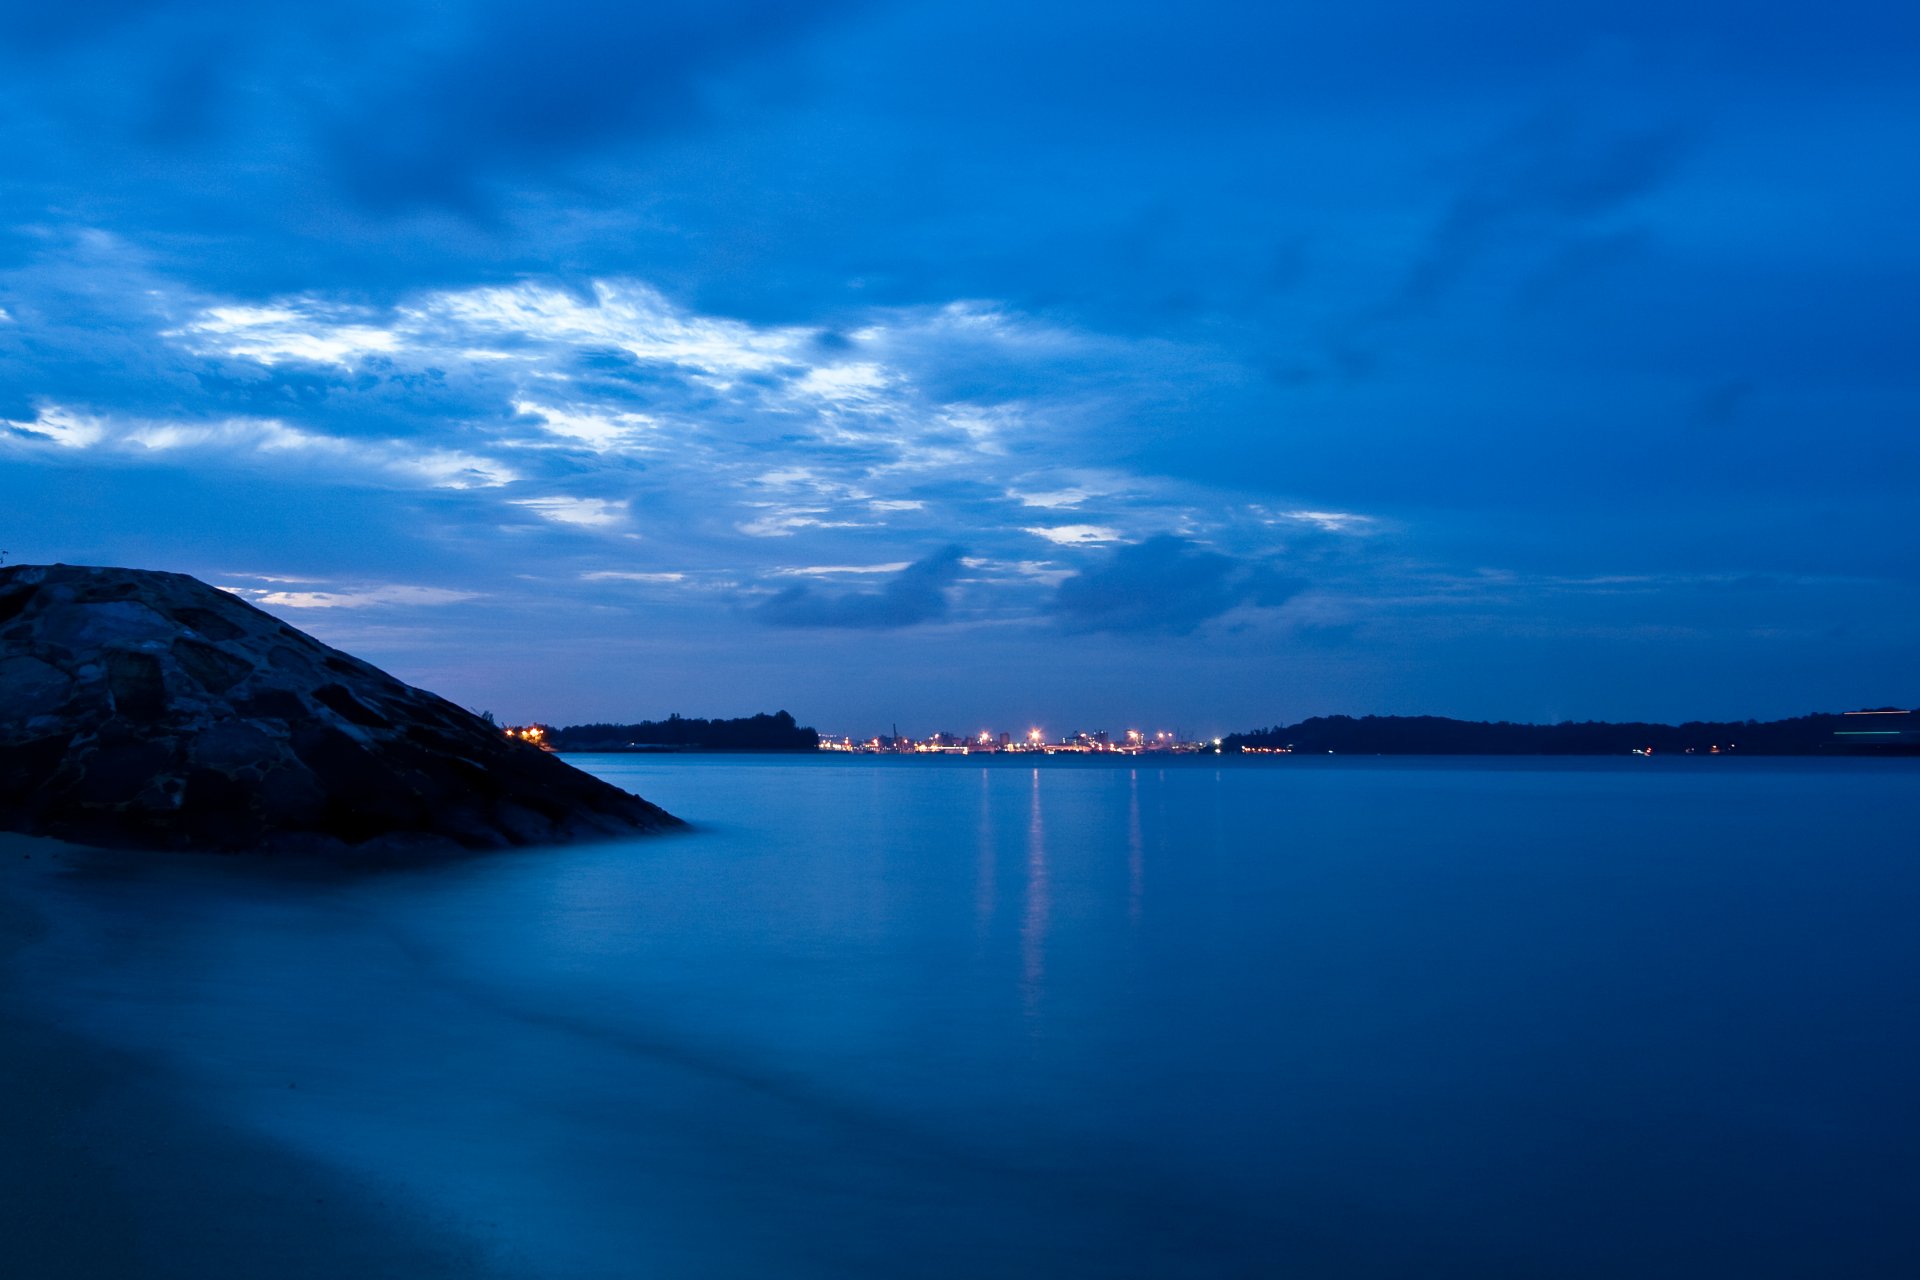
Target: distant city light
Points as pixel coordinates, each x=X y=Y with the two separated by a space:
x=1130 y=742
x=532 y=733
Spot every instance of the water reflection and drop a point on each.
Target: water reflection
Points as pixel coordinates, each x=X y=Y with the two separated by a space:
x=986 y=869
x=1136 y=848
x=1033 y=922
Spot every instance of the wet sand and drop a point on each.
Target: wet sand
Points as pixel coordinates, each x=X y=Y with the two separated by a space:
x=105 y=1173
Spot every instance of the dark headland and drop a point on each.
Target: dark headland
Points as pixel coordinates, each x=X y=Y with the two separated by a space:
x=141 y=709
x=763 y=732
x=1881 y=731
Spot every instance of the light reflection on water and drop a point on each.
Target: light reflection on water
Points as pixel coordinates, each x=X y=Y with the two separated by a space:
x=1136 y=848
x=932 y=1018
x=1033 y=922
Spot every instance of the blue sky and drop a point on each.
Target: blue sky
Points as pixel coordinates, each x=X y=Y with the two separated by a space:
x=1200 y=366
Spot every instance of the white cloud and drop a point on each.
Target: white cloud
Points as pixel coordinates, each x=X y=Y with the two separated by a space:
x=1331 y=521
x=623 y=314
x=829 y=570
x=791 y=478
x=529 y=395
x=614 y=575
x=784 y=523
x=599 y=429
x=60 y=427
x=230 y=438
x=1075 y=535
x=306 y=331
x=1054 y=500
x=844 y=384
x=443 y=469
x=779 y=525
x=354 y=597
x=587 y=513
x=1045 y=572
x=716 y=396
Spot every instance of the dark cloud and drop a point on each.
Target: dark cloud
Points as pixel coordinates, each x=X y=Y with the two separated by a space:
x=523 y=88
x=917 y=593
x=1551 y=174
x=407 y=100
x=371 y=142
x=1167 y=585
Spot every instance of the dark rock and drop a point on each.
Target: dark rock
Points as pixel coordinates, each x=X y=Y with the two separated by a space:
x=149 y=710
x=349 y=706
x=12 y=602
x=33 y=687
x=217 y=672
x=134 y=681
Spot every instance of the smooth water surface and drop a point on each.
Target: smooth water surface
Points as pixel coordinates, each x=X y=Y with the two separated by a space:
x=955 y=1018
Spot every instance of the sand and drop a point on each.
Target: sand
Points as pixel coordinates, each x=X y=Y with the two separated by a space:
x=105 y=1172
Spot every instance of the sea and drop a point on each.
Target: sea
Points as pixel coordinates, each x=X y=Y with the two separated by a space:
x=1014 y=1017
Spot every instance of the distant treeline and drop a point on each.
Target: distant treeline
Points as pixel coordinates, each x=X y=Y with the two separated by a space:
x=1821 y=734
x=776 y=732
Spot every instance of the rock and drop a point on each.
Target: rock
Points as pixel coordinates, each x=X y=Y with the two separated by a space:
x=148 y=710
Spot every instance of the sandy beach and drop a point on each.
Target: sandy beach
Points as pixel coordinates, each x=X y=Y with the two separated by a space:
x=104 y=1172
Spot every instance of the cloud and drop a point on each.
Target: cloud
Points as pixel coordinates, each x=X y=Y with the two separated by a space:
x=438 y=114
x=265 y=442
x=1537 y=202
x=616 y=575
x=1552 y=173
x=528 y=88
x=354 y=597
x=1166 y=584
x=1329 y=521
x=1075 y=535
x=1053 y=500
x=915 y=594
x=585 y=513
x=834 y=570
x=330 y=288
x=599 y=429
x=311 y=333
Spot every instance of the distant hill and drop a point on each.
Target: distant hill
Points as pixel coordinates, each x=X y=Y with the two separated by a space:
x=1887 y=731
x=776 y=732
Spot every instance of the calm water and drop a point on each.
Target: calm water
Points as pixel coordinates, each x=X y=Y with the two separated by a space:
x=1322 y=1018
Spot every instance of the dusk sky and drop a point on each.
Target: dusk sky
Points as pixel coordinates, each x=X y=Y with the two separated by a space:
x=1197 y=366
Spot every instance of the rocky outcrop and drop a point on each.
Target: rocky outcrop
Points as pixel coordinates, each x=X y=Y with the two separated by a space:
x=149 y=710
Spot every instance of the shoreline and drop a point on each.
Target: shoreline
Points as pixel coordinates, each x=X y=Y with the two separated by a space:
x=106 y=1172
x=1267 y=760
